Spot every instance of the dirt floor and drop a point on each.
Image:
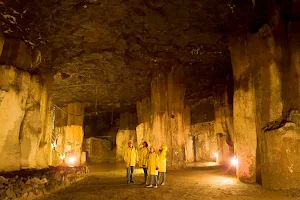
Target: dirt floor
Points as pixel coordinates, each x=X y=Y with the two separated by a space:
x=108 y=182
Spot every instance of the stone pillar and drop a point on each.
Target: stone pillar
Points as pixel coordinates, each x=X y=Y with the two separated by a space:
x=189 y=143
x=44 y=156
x=69 y=132
x=143 y=130
x=223 y=123
x=25 y=131
x=165 y=120
x=125 y=133
x=280 y=139
x=244 y=109
x=258 y=105
x=292 y=74
x=12 y=112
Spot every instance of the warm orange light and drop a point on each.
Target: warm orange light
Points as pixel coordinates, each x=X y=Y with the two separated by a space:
x=53 y=145
x=62 y=156
x=234 y=161
x=71 y=160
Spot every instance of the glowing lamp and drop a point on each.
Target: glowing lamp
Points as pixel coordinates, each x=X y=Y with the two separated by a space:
x=234 y=161
x=72 y=160
x=216 y=155
x=62 y=156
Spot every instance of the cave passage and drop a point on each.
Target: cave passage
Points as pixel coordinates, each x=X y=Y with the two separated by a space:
x=206 y=92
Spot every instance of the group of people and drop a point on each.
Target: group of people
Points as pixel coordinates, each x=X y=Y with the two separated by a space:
x=153 y=163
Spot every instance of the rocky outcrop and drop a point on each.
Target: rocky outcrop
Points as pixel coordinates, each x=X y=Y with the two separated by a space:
x=68 y=132
x=265 y=81
x=24 y=125
x=99 y=150
x=29 y=185
x=165 y=119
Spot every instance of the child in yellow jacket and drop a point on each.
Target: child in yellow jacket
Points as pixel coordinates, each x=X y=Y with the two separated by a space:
x=162 y=155
x=153 y=167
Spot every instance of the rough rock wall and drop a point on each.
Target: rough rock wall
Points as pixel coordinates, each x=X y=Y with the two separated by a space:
x=24 y=121
x=205 y=141
x=263 y=92
x=280 y=167
x=125 y=133
x=244 y=110
x=165 y=119
x=189 y=143
x=223 y=123
x=281 y=147
x=68 y=132
x=99 y=150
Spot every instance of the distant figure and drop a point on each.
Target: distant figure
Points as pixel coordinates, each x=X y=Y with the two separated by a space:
x=162 y=164
x=131 y=159
x=153 y=167
x=144 y=153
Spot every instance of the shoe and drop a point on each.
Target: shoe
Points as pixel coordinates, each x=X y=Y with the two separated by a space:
x=131 y=181
x=149 y=186
x=155 y=186
x=162 y=184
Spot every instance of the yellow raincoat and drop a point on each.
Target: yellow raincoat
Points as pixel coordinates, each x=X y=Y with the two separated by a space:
x=162 y=166
x=153 y=164
x=130 y=156
x=144 y=153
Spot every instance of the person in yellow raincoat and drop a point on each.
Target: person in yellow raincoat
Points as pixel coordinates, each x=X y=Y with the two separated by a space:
x=131 y=159
x=162 y=155
x=153 y=167
x=144 y=153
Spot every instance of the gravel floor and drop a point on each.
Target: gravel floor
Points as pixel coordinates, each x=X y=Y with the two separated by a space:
x=108 y=182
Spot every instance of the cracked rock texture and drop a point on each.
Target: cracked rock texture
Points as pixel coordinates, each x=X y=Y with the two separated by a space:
x=107 y=51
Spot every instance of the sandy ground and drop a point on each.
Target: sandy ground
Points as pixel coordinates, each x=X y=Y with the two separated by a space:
x=108 y=182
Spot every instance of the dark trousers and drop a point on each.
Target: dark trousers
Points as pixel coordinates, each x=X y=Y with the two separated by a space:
x=145 y=174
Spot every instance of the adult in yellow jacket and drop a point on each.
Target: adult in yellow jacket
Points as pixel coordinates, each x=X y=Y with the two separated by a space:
x=153 y=167
x=143 y=160
x=131 y=159
x=162 y=155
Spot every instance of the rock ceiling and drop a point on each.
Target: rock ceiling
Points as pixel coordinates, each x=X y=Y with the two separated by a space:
x=106 y=51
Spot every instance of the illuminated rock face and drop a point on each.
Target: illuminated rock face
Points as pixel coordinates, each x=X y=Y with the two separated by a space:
x=223 y=123
x=125 y=133
x=164 y=119
x=205 y=141
x=258 y=100
x=280 y=139
x=25 y=124
x=69 y=132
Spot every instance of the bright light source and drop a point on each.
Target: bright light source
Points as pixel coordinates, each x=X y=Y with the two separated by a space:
x=234 y=161
x=216 y=155
x=53 y=145
x=62 y=156
x=71 y=160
